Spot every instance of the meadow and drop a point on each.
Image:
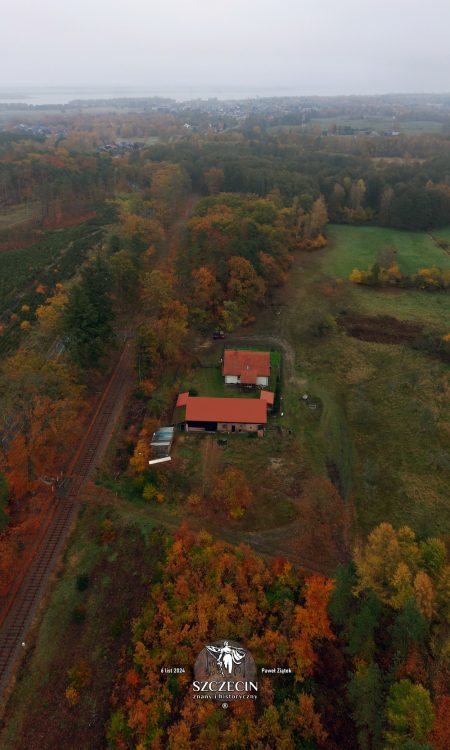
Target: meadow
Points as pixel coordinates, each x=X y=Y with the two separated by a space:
x=380 y=124
x=359 y=247
x=16 y=215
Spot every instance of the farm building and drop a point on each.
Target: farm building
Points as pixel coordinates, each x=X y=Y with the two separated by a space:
x=205 y=414
x=246 y=368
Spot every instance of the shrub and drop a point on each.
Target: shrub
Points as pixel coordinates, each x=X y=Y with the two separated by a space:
x=82 y=582
x=72 y=696
x=79 y=615
x=150 y=492
x=107 y=533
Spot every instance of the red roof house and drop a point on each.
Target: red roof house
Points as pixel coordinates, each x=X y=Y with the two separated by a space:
x=245 y=367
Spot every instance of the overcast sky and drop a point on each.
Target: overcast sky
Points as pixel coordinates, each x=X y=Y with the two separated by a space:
x=312 y=46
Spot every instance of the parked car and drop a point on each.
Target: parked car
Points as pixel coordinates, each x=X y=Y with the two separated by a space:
x=218 y=335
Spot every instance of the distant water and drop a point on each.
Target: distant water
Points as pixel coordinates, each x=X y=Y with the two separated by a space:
x=63 y=95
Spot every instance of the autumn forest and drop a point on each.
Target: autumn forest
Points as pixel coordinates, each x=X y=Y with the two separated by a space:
x=137 y=242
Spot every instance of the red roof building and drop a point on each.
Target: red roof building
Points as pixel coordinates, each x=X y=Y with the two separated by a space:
x=183 y=399
x=200 y=413
x=268 y=397
x=246 y=367
x=206 y=409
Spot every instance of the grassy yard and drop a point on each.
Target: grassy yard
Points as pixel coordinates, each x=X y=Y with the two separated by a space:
x=207 y=379
x=359 y=247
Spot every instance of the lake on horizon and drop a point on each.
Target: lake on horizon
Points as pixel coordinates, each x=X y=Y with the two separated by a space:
x=64 y=95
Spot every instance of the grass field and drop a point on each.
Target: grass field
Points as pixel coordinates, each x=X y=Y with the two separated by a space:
x=430 y=309
x=380 y=124
x=359 y=247
x=443 y=232
x=14 y=215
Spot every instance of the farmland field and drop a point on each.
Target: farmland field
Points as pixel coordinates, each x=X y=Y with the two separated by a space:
x=27 y=274
x=380 y=124
x=443 y=232
x=15 y=215
x=359 y=247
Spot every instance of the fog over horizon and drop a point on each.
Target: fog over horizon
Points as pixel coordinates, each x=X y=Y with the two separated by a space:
x=259 y=46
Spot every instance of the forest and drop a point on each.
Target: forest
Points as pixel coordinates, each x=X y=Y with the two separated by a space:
x=322 y=547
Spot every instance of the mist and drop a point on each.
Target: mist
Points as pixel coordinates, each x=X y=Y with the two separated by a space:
x=289 y=46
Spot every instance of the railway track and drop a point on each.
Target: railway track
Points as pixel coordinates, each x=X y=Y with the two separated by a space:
x=26 y=597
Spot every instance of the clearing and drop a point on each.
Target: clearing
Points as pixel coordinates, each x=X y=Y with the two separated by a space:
x=359 y=247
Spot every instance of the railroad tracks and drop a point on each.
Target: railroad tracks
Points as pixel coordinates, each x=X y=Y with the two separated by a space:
x=23 y=606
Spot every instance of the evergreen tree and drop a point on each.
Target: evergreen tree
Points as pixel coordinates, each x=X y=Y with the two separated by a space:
x=365 y=692
x=88 y=315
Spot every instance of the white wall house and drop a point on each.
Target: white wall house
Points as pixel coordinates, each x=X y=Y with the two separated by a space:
x=248 y=368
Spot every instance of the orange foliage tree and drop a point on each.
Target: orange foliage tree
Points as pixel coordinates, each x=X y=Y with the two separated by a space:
x=233 y=491
x=210 y=590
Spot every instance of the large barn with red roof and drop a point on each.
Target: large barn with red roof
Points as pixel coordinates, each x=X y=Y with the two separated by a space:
x=205 y=414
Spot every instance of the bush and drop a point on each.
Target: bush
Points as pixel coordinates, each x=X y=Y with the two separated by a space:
x=150 y=492
x=79 y=615
x=82 y=582
x=72 y=696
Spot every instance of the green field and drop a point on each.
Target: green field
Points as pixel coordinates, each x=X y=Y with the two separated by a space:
x=20 y=214
x=443 y=232
x=359 y=247
x=379 y=124
x=431 y=309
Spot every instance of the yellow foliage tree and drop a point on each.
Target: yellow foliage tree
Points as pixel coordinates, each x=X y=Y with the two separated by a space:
x=141 y=455
x=424 y=592
x=356 y=276
x=72 y=696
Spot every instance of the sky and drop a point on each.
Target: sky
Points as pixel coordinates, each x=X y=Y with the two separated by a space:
x=305 y=46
